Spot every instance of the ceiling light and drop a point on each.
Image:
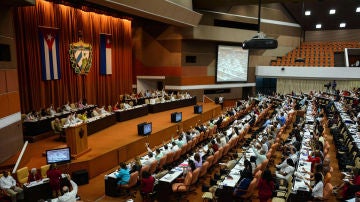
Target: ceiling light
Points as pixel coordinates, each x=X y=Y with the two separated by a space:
x=358 y=9
x=318 y=26
x=307 y=12
x=332 y=11
x=342 y=25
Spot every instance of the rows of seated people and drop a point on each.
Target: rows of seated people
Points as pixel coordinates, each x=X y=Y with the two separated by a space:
x=216 y=147
x=51 y=111
x=344 y=121
x=306 y=160
x=258 y=152
x=319 y=159
x=125 y=102
x=159 y=161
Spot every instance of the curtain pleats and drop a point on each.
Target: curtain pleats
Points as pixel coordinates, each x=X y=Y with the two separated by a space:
x=285 y=86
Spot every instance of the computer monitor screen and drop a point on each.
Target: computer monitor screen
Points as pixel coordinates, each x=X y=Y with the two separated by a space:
x=176 y=117
x=198 y=109
x=58 y=156
x=145 y=128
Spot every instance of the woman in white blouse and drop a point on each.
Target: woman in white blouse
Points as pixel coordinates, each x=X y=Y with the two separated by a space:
x=317 y=189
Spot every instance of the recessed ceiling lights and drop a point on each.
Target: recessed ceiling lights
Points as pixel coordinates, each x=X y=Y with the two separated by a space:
x=332 y=11
x=358 y=9
x=342 y=25
x=307 y=12
x=318 y=26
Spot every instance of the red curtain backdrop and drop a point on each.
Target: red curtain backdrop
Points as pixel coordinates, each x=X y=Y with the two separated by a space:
x=97 y=89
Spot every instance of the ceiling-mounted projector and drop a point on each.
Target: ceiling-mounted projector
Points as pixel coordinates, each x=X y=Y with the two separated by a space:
x=260 y=43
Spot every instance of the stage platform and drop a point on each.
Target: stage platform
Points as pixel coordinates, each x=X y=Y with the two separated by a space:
x=120 y=142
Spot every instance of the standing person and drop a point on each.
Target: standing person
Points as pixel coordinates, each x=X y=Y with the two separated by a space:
x=221 y=101
x=333 y=86
x=328 y=87
x=8 y=184
x=265 y=186
x=54 y=175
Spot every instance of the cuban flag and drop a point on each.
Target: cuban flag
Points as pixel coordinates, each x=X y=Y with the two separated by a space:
x=105 y=54
x=49 y=47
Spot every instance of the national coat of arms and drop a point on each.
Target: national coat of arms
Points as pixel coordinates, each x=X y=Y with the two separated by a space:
x=81 y=57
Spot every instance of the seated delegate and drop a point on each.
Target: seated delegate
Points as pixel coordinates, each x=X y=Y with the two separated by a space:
x=68 y=196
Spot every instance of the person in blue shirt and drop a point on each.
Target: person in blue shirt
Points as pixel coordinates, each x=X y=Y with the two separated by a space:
x=122 y=175
x=267 y=122
x=243 y=185
x=282 y=119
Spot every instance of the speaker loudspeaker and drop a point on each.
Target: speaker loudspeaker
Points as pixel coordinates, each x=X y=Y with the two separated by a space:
x=80 y=177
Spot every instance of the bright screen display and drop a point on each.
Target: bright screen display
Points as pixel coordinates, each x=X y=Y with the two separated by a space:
x=58 y=156
x=178 y=117
x=198 y=109
x=232 y=64
x=147 y=128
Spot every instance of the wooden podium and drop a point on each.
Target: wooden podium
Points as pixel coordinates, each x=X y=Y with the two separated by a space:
x=76 y=139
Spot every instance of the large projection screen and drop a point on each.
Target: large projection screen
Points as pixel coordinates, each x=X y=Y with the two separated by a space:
x=232 y=64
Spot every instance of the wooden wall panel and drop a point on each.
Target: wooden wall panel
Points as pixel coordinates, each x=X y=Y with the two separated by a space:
x=3 y=88
x=12 y=80
x=207 y=116
x=13 y=102
x=333 y=35
x=190 y=123
x=197 y=80
x=123 y=154
x=191 y=71
x=133 y=150
x=103 y=163
x=11 y=140
x=4 y=105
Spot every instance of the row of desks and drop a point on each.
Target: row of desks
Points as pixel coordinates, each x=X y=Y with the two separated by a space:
x=33 y=128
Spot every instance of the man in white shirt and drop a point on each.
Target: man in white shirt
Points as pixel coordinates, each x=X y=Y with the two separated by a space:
x=69 y=196
x=286 y=171
x=149 y=159
x=174 y=147
x=158 y=153
x=8 y=184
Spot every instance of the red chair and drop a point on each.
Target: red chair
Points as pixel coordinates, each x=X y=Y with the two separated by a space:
x=177 y=155
x=162 y=162
x=170 y=158
x=153 y=167
x=210 y=159
x=204 y=169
